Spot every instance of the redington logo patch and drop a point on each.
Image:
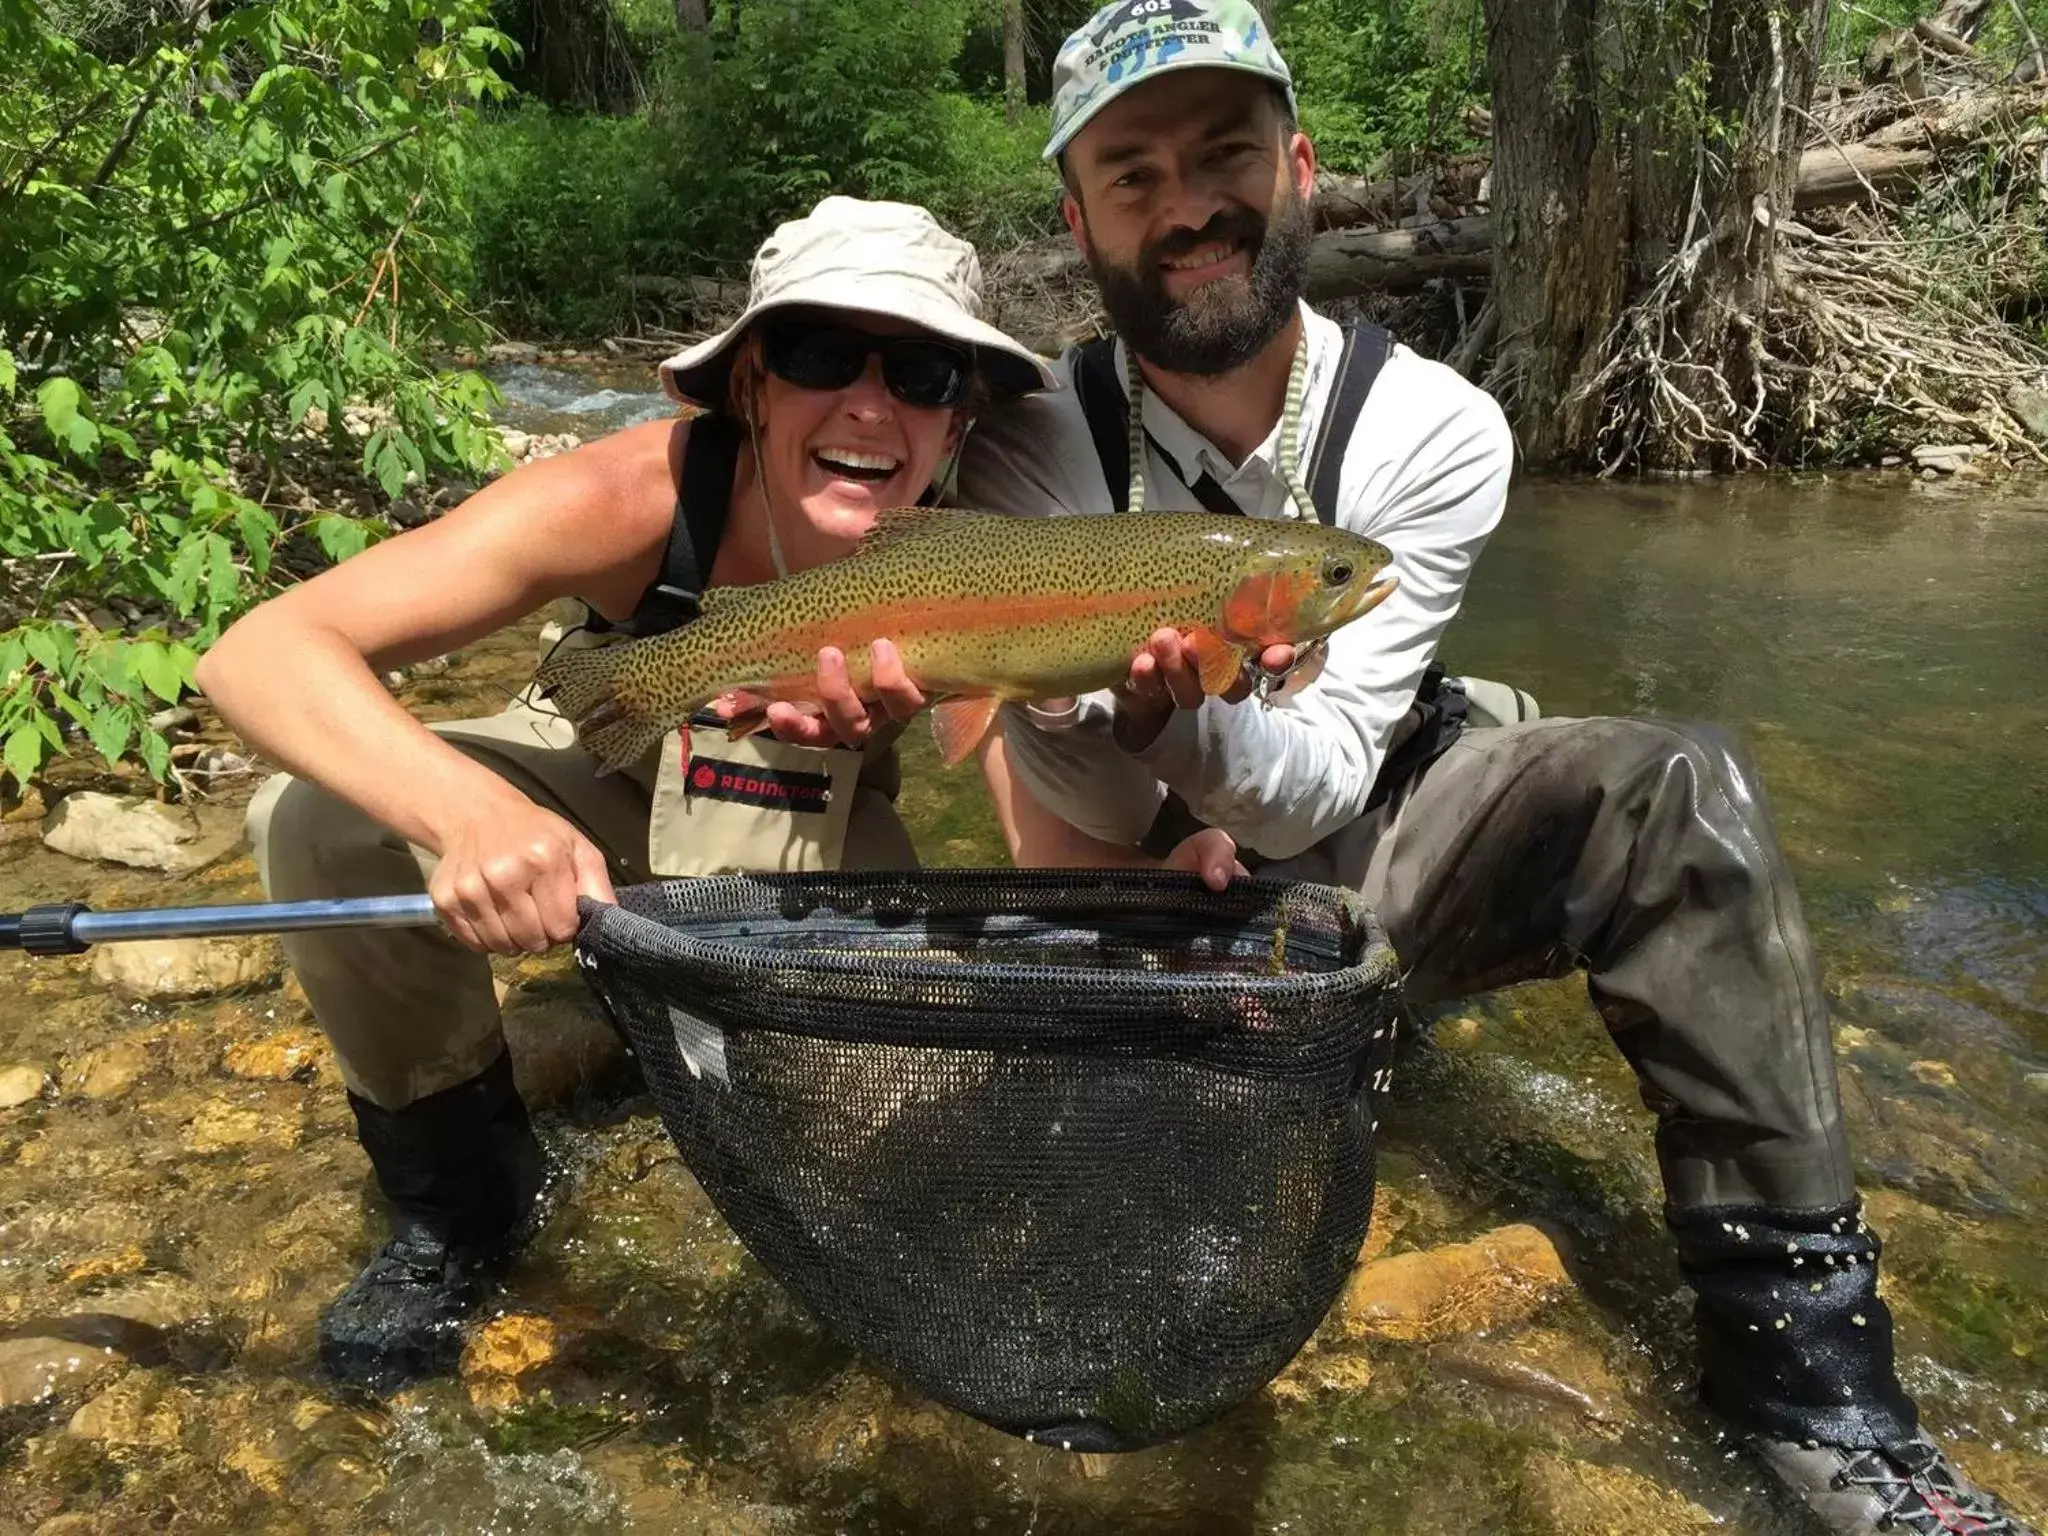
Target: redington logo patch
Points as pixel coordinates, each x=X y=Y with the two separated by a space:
x=777 y=789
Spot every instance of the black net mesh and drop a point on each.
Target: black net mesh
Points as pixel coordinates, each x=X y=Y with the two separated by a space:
x=1087 y=1156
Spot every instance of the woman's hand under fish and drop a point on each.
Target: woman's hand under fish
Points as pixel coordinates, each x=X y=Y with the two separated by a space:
x=1210 y=853
x=843 y=718
x=508 y=879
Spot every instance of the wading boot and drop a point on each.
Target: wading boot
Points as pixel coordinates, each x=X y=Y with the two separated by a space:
x=1797 y=1350
x=464 y=1175
x=1913 y=1488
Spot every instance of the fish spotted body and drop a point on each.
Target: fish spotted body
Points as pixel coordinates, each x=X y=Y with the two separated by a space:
x=983 y=608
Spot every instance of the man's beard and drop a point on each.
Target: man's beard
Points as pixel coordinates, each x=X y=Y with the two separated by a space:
x=1225 y=322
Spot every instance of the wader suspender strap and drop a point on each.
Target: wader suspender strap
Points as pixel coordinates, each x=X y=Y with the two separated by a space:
x=1101 y=395
x=1366 y=350
x=710 y=459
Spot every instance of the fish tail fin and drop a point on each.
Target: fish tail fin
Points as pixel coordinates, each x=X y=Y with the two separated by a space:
x=585 y=684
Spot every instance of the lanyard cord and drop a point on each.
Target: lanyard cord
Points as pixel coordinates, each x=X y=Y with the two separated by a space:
x=1290 y=429
x=761 y=486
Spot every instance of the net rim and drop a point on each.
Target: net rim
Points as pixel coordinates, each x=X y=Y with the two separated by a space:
x=628 y=925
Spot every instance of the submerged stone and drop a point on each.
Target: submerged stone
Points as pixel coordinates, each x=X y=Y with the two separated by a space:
x=276 y=1057
x=108 y=1071
x=172 y=969
x=1560 y=1497
x=1440 y=1293
x=20 y=1084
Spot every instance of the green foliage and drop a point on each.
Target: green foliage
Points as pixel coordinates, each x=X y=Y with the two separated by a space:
x=1383 y=80
x=564 y=207
x=789 y=102
x=783 y=105
x=212 y=231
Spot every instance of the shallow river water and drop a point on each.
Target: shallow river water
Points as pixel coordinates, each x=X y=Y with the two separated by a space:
x=186 y=1193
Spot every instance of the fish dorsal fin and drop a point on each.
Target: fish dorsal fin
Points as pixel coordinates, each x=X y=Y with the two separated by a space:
x=896 y=523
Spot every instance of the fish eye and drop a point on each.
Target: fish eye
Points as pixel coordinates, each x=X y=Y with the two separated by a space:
x=1336 y=573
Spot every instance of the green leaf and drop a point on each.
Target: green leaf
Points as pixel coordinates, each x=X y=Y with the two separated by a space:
x=51 y=645
x=109 y=731
x=156 y=753
x=152 y=663
x=59 y=399
x=6 y=372
x=182 y=586
x=23 y=753
x=259 y=532
x=342 y=537
x=222 y=579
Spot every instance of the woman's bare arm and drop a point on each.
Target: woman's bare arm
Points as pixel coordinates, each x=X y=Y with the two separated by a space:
x=298 y=676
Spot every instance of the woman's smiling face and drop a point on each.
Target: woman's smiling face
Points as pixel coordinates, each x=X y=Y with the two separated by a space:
x=841 y=455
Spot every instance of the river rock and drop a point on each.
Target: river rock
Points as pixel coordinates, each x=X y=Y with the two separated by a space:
x=117 y=830
x=106 y=1071
x=1441 y=1293
x=1316 y=1371
x=276 y=1057
x=133 y=1411
x=20 y=1085
x=1579 y=1498
x=1934 y=1074
x=517 y=443
x=1945 y=458
x=171 y=969
x=35 y=1368
x=560 y=1044
x=2031 y=407
x=111 y=1265
x=512 y=351
x=220 y=1126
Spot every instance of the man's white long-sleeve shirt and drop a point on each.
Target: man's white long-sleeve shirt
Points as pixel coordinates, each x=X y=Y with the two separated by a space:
x=1425 y=473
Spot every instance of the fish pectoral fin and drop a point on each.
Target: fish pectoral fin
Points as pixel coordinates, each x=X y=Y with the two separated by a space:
x=959 y=723
x=745 y=713
x=1221 y=662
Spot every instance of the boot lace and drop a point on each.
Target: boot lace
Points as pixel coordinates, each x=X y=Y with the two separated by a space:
x=1927 y=1499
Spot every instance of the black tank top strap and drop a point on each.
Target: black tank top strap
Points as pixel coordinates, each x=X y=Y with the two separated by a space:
x=703 y=492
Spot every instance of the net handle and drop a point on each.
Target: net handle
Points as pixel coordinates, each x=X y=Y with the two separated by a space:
x=71 y=928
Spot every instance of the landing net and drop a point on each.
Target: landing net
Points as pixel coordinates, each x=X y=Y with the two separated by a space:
x=1087 y=1156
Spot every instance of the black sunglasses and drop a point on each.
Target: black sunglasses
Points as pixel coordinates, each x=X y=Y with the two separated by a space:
x=819 y=354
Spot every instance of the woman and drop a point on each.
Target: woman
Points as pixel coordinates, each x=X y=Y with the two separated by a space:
x=841 y=390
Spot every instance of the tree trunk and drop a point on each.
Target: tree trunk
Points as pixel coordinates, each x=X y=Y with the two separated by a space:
x=1637 y=184
x=692 y=16
x=1560 y=217
x=1013 y=59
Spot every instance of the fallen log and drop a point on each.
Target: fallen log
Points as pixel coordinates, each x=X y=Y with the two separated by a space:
x=1344 y=261
x=1351 y=261
x=1831 y=175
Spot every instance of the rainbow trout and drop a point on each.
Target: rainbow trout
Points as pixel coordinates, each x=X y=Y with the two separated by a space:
x=983 y=608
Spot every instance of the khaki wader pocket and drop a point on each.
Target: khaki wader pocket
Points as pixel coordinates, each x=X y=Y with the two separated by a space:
x=756 y=804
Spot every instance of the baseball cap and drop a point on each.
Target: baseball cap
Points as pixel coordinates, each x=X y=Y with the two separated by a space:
x=1129 y=42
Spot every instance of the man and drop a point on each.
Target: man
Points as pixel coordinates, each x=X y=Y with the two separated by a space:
x=1640 y=851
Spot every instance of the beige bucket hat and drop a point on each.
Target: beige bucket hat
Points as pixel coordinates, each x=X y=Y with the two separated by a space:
x=880 y=258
